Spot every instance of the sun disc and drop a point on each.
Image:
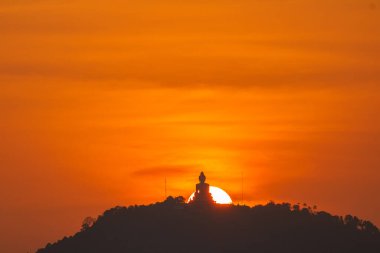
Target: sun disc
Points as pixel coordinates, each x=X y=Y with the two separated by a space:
x=219 y=196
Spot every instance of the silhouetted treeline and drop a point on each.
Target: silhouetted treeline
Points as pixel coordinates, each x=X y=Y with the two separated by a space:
x=175 y=227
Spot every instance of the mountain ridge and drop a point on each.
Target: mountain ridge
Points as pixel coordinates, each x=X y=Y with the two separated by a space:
x=175 y=226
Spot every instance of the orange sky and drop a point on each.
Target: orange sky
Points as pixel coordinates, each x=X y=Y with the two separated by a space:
x=101 y=100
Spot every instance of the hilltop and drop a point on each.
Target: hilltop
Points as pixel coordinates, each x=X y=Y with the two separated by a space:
x=174 y=226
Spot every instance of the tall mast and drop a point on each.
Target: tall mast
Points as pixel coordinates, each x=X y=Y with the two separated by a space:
x=242 y=184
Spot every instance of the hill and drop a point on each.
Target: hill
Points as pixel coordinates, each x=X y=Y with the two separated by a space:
x=173 y=226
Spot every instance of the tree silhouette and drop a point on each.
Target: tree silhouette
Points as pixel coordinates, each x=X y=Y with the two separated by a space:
x=173 y=226
x=87 y=223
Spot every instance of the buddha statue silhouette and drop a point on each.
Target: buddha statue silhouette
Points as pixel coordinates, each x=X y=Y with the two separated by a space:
x=202 y=193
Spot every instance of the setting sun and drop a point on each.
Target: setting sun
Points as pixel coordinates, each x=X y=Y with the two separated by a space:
x=219 y=195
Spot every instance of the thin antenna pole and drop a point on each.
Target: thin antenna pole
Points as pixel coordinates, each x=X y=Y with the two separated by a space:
x=242 y=188
x=165 y=189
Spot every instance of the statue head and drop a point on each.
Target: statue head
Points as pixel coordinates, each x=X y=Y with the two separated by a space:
x=202 y=177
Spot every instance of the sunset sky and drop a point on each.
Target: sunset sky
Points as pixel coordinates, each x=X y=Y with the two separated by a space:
x=101 y=100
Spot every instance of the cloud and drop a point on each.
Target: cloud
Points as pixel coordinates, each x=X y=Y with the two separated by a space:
x=223 y=47
x=168 y=170
x=21 y=2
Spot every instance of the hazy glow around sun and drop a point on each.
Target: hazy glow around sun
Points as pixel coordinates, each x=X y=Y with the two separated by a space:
x=219 y=195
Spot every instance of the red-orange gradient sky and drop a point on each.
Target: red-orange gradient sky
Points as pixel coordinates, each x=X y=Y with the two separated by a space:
x=101 y=100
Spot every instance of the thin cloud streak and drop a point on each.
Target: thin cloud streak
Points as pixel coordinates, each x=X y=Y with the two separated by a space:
x=166 y=171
